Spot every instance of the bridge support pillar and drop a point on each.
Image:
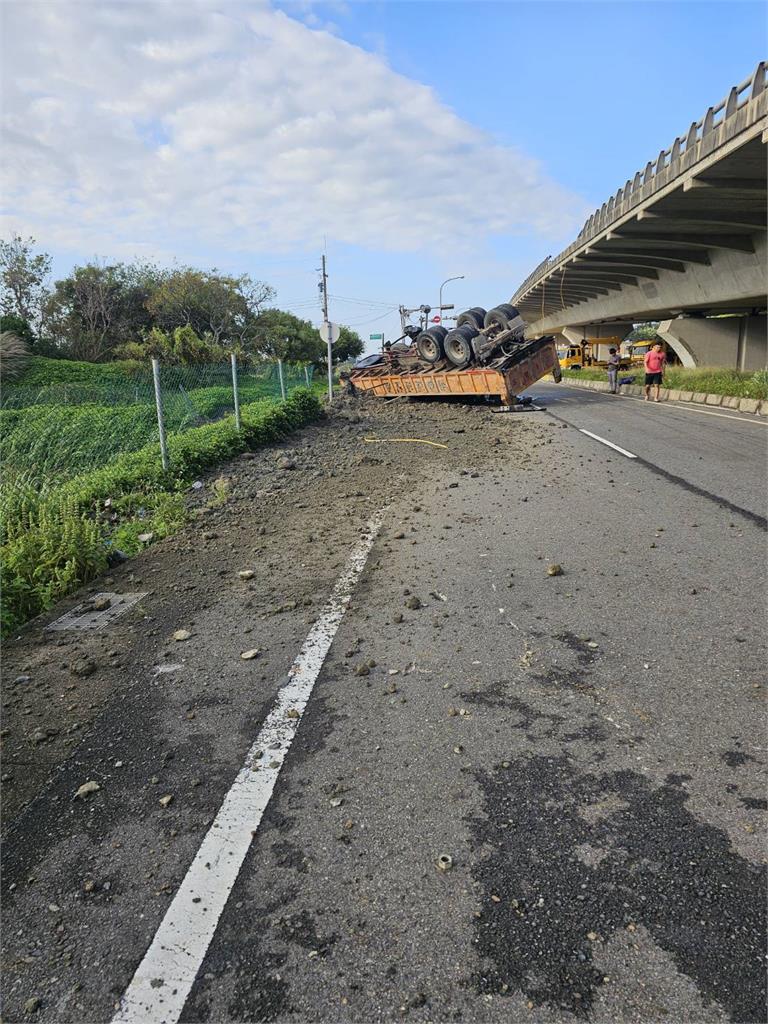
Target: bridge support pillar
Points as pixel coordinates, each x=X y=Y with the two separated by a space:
x=734 y=342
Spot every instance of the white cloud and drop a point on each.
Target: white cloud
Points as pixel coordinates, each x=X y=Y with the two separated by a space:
x=168 y=124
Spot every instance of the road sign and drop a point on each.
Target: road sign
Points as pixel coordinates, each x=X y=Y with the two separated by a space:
x=436 y=319
x=329 y=333
x=376 y=337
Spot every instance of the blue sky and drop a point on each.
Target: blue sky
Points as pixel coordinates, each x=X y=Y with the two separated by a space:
x=415 y=140
x=594 y=90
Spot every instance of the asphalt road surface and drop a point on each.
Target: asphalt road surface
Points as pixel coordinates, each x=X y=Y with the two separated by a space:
x=449 y=785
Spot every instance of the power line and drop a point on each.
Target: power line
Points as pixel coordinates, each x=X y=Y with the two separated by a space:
x=365 y=302
x=373 y=319
x=296 y=303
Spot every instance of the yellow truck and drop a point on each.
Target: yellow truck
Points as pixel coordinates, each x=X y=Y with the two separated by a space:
x=574 y=357
x=635 y=351
x=590 y=352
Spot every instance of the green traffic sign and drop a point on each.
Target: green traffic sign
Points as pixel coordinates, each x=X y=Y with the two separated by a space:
x=376 y=337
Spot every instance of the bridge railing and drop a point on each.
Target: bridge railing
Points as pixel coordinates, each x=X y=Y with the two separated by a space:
x=736 y=111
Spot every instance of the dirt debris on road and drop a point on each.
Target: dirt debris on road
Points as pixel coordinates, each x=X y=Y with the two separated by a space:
x=289 y=515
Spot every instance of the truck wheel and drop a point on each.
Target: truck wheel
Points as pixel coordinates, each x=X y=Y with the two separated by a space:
x=429 y=344
x=458 y=345
x=501 y=316
x=474 y=317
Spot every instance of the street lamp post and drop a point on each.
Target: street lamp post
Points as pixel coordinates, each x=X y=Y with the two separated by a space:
x=440 y=304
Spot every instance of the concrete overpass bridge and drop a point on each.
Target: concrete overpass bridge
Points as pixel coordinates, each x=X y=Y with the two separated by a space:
x=683 y=242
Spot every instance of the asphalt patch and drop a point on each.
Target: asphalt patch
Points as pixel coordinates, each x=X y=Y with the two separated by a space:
x=659 y=868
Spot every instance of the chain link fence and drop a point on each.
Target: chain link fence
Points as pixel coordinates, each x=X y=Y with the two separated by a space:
x=52 y=432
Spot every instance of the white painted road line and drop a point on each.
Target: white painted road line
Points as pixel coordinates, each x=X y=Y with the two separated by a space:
x=610 y=444
x=678 y=407
x=164 y=978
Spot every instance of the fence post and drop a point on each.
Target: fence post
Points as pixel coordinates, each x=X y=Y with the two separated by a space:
x=282 y=382
x=233 y=360
x=159 y=405
x=306 y=375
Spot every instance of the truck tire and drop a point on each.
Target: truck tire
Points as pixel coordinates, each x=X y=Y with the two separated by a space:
x=429 y=344
x=458 y=345
x=501 y=316
x=474 y=317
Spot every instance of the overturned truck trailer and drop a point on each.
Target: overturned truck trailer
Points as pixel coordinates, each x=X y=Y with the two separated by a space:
x=503 y=377
x=485 y=354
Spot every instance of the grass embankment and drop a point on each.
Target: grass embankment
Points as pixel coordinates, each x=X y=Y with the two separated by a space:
x=55 y=538
x=56 y=441
x=707 y=380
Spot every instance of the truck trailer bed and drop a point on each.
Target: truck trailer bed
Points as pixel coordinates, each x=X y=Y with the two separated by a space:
x=504 y=378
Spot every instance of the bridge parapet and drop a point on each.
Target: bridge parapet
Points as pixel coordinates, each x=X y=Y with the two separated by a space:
x=744 y=105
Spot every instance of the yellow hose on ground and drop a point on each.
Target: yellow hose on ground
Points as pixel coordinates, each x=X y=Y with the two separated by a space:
x=413 y=440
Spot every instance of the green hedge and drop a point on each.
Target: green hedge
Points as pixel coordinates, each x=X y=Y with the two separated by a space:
x=58 y=540
x=42 y=371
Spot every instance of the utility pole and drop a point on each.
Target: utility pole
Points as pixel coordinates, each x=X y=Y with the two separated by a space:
x=325 y=291
x=328 y=331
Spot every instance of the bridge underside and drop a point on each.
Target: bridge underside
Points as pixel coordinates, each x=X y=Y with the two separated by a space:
x=684 y=248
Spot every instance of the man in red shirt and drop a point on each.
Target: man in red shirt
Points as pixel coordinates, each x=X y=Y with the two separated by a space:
x=654 y=370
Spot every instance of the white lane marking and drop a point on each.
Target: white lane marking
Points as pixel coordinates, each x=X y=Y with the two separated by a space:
x=164 y=978
x=678 y=407
x=610 y=444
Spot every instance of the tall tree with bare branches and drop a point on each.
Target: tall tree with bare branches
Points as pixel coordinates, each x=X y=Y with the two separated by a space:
x=23 y=280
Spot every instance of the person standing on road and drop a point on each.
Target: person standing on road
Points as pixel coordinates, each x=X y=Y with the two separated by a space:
x=654 y=370
x=613 y=370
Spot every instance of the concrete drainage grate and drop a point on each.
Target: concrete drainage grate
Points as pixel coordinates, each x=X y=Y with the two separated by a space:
x=84 y=616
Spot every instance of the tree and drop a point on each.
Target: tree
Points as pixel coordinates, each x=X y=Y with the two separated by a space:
x=349 y=346
x=643 y=332
x=211 y=303
x=23 y=276
x=85 y=313
x=100 y=307
x=138 y=282
x=255 y=296
x=280 y=335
